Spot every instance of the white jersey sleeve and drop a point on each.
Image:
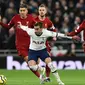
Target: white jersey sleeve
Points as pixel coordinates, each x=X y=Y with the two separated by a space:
x=63 y=36
x=49 y=33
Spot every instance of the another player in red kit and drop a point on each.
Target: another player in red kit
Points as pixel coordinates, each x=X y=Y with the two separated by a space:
x=22 y=39
x=80 y=28
x=48 y=25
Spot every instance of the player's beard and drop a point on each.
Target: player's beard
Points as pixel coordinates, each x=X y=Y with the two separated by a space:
x=38 y=33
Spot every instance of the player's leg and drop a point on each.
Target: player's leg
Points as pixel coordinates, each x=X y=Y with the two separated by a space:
x=41 y=69
x=34 y=67
x=24 y=54
x=47 y=73
x=26 y=59
x=53 y=69
x=47 y=68
x=33 y=58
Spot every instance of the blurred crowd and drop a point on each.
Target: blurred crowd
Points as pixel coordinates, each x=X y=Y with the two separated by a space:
x=66 y=15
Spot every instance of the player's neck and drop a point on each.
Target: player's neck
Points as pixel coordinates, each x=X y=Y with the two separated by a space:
x=41 y=17
x=23 y=17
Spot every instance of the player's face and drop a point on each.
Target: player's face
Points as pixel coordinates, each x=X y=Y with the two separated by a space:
x=23 y=12
x=38 y=30
x=42 y=11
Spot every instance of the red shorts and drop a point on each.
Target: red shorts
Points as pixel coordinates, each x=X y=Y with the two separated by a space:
x=22 y=51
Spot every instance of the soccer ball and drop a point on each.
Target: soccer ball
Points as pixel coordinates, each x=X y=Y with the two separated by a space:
x=3 y=80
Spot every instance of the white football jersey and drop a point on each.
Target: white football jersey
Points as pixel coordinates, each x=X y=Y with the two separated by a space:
x=38 y=42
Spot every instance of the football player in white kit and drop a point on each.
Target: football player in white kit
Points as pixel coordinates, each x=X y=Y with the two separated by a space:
x=37 y=48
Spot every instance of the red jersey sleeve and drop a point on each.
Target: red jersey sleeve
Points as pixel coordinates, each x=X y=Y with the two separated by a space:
x=78 y=29
x=51 y=26
x=4 y=25
x=9 y=25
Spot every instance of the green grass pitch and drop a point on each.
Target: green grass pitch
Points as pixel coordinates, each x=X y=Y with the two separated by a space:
x=25 y=77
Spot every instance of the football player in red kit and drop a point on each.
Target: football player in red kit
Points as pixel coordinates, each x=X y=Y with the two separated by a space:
x=22 y=39
x=80 y=28
x=48 y=25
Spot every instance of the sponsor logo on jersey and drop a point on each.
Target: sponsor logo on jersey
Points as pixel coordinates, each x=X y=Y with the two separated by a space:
x=37 y=42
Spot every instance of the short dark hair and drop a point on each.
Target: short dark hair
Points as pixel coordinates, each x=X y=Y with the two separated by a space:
x=23 y=6
x=42 y=5
x=40 y=24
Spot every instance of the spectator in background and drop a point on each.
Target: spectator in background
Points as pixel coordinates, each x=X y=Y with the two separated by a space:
x=3 y=6
x=3 y=35
x=71 y=51
x=65 y=24
x=11 y=39
x=10 y=11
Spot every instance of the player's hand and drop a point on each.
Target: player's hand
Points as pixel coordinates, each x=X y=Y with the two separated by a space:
x=54 y=38
x=77 y=38
x=68 y=34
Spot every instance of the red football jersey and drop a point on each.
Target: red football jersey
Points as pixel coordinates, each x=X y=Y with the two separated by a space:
x=46 y=23
x=78 y=30
x=22 y=38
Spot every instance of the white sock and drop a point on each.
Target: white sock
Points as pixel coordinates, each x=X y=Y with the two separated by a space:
x=54 y=71
x=40 y=77
x=47 y=77
x=57 y=76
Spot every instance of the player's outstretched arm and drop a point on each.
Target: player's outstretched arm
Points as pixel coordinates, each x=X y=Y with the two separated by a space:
x=7 y=26
x=49 y=33
x=69 y=37
x=77 y=30
x=63 y=36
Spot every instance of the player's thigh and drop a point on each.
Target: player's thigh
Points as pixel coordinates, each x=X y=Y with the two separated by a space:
x=33 y=58
x=44 y=55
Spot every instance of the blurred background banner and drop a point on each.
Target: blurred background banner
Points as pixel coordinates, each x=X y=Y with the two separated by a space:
x=69 y=63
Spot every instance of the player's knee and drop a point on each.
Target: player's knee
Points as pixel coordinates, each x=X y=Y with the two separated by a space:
x=53 y=69
x=32 y=63
x=34 y=67
x=47 y=60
